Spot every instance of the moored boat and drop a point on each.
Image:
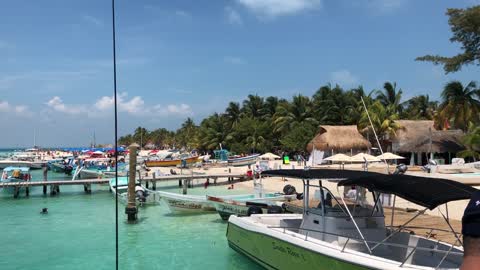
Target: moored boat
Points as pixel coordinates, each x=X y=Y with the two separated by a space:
x=243 y=161
x=14 y=174
x=350 y=234
x=170 y=162
x=143 y=195
x=239 y=206
x=186 y=204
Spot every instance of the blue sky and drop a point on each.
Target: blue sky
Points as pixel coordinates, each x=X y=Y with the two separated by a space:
x=179 y=59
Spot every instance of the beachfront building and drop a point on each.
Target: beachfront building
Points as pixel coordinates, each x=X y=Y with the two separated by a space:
x=332 y=140
x=418 y=141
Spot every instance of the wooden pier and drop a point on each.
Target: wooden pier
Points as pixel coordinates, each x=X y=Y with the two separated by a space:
x=188 y=178
x=87 y=183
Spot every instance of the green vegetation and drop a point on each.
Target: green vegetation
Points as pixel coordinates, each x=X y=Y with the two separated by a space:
x=265 y=124
x=465 y=26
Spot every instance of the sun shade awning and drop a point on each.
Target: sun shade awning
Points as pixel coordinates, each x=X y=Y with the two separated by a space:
x=424 y=191
x=325 y=174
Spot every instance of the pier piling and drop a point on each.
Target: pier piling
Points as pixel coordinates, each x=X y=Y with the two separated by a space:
x=16 y=192
x=27 y=191
x=131 y=209
x=44 y=189
x=184 y=186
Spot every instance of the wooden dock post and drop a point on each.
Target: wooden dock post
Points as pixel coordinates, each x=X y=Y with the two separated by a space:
x=87 y=188
x=131 y=208
x=53 y=190
x=44 y=189
x=16 y=192
x=184 y=186
x=27 y=191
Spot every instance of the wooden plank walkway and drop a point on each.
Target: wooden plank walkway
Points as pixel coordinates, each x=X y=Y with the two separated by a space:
x=56 y=183
x=107 y=180
x=153 y=178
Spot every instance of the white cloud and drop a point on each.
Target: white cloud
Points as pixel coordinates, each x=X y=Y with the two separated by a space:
x=173 y=109
x=386 y=6
x=233 y=17
x=234 y=60
x=343 y=78
x=56 y=103
x=133 y=106
x=92 y=20
x=274 y=8
x=21 y=110
x=4 y=106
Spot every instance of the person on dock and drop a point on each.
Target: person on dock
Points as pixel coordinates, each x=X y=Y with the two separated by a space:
x=471 y=234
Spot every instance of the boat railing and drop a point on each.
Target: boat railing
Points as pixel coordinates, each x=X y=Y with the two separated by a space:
x=407 y=256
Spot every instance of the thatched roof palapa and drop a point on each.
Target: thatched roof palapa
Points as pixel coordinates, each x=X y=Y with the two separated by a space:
x=338 y=138
x=415 y=136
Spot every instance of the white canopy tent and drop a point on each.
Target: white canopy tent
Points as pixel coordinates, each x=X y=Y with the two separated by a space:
x=361 y=157
x=389 y=156
x=339 y=158
x=269 y=156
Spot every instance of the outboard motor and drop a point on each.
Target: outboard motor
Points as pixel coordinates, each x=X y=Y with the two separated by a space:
x=289 y=190
x=68 y=170
x=401 y=169
x=274 y=209
x=299 y=196
x=141 y=195
x=253 y=210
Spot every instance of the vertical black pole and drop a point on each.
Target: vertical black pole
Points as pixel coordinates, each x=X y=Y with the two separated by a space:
x=116 y=135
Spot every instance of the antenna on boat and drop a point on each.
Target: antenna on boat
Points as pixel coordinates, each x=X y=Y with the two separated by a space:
x=374 y=133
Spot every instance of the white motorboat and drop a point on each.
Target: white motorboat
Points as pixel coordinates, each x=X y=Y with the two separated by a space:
x=350 y=234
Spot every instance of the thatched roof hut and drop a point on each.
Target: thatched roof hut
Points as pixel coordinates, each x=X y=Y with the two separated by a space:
x=415 y=137
x=339 y=139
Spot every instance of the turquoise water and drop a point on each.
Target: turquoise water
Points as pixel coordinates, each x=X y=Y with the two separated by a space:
x=79 y=233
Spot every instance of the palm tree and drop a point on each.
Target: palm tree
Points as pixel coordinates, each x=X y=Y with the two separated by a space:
x=140 y=135
x=187 y=134
x=292 y=115
x=460 y=104
x=420 y=107
x=383 y=120
x=330 y=104
x=214 y=131
x=354 y=111
x=471 y=141
x=269 y=107
x=253 y=106
x=233 y=113
x=390 y=96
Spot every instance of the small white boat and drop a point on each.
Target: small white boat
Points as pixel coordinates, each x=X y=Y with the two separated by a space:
x=143 y=195
x=21 y=163
x=239 y=206
x=243 y=161
x=186 y=204
x=179 y=203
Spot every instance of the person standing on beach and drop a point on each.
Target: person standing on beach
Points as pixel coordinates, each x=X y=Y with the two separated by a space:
x=471 y=234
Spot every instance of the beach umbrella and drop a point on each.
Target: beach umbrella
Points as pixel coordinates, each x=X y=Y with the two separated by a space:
x=269 y=156
x=339 y=158
x=388 y=156
x=361 y=157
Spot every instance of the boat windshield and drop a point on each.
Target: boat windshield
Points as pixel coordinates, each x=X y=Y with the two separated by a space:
x=360 y=203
